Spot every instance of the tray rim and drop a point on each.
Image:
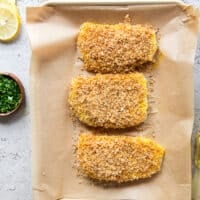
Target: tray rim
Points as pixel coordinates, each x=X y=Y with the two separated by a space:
x=109 y=2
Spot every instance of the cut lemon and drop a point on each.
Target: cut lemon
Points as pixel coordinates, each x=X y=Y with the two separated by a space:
x=9 y=22
x=8 y=1
x=11 y=6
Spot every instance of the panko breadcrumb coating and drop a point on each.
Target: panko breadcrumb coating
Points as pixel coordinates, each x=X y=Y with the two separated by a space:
x=116 y=48
x=118 y=158
x=110 y=100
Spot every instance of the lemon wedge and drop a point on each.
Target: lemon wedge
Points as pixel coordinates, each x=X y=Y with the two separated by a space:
x=9 y=22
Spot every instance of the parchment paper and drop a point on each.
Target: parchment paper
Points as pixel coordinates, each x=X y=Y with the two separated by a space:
x=53 y=32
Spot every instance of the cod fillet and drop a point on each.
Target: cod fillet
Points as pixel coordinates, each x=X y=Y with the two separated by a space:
x=116 y=48
x=110 y=100
x=118 y=158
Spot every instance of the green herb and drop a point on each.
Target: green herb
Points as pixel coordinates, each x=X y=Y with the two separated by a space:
x=196 y=172
x=197 y=151
x=10 y=94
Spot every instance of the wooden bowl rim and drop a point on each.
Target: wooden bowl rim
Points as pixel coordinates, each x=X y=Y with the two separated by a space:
x=21 y=87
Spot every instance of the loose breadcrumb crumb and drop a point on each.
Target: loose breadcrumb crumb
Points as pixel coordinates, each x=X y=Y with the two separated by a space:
x=118 y=158
x=116 y=48
x=110 y=101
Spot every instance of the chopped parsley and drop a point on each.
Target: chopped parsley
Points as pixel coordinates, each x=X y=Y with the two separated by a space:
x=10 y=94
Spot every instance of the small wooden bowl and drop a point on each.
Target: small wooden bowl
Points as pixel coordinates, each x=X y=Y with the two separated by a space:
x=21 y=87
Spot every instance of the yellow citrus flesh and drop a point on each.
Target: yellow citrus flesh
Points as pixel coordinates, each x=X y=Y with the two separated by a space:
x=8 y=1
x=11 y=6
x=9 y=22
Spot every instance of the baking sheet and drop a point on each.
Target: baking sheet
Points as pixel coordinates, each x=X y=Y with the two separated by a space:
x=53 y=32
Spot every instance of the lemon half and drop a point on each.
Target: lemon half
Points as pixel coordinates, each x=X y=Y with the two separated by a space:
x=9 y=22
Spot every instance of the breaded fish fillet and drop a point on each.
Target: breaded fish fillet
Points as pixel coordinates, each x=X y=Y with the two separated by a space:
x=118 y=158
x=116 y=48
x=110 y=101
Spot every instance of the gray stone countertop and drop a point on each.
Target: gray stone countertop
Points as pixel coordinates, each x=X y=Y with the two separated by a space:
x=15 y=138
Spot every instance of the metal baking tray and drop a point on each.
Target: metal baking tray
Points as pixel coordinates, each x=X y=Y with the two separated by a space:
x=196 y=174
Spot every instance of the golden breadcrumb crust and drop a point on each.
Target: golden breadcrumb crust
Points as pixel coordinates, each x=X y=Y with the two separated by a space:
x=118 y=158
x=116 y=48
x=110 y=100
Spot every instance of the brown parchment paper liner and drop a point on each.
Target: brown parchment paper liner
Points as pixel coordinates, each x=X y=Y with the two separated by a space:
x=53 y=32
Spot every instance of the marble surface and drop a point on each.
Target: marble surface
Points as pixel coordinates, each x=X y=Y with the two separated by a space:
x=15 y=138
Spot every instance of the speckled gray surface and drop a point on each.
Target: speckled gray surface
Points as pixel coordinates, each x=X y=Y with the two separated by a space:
x=15 y=138
x=15 y=145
